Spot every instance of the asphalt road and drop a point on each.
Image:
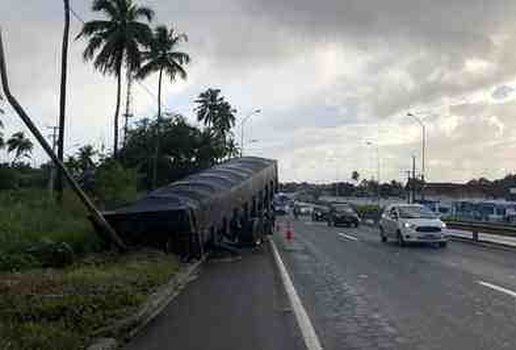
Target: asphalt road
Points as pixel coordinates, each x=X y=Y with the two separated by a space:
x=364 y=294
x=231 y=305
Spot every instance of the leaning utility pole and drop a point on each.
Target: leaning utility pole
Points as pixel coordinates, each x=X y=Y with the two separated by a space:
x=62 y=98
x=51 y=180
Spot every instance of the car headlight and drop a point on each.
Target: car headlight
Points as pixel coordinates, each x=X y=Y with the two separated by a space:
x=443 y=225
x=409 y=225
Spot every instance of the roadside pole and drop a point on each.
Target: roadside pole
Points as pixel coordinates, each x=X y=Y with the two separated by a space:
x=413 y=179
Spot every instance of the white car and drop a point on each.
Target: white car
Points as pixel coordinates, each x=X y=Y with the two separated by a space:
x=412 y=223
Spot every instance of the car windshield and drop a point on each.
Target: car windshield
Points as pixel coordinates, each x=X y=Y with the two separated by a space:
x=344 y=209
x=416 y=212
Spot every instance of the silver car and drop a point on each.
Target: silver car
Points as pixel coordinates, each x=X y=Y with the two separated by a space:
x=411 y=223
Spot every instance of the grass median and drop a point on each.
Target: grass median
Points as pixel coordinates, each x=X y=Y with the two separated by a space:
x=59 y=286
x=65 y=308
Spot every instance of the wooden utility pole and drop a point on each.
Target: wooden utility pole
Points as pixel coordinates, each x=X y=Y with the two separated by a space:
x=62 y=97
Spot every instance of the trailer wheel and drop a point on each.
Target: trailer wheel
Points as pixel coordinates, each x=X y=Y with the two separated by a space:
x=257 y=232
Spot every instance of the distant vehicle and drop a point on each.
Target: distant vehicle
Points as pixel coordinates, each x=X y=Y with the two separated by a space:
x=342 y=214
x=304 y=210
x=411 y=223
x=320 y=214
x=280 y=209
x=281 y=204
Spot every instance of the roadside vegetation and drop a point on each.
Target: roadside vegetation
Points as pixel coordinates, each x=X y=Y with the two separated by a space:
x=37 y=232
x=67 y=308
x=60 y=284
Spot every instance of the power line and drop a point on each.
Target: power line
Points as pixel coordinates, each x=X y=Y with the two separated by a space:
x=77 y=16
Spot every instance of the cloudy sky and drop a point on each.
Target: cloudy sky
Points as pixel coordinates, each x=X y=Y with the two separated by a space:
x=328 y=75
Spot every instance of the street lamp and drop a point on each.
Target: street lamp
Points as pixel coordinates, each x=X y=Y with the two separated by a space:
x=423 y=142
x=256 y=111
x=371 y=143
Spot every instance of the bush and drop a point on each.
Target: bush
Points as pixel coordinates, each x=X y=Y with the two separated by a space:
x=17 y=262
x=114 y=184
x=52 y=254
x=9 y=178
x=369 y=211
x=35 y=231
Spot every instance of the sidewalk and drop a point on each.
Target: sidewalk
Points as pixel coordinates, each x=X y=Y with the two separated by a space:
x=232 y=305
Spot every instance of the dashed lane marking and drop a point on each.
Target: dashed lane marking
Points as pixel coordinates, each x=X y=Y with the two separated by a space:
x=497 y=288
x=353 y=238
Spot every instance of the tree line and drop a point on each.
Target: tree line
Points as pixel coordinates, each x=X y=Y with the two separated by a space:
x=122 y=42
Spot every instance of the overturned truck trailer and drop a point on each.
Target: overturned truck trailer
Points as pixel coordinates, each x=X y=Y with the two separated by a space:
x=227 y=205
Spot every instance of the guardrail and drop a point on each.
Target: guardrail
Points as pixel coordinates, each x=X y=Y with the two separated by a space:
x=475 y=228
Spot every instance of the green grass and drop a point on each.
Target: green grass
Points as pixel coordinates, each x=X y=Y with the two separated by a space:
x=63 y=309
x=28 y=217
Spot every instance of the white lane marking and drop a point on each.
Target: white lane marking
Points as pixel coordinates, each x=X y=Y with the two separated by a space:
x=307 y=329
x=498 y=288
x=353 y=238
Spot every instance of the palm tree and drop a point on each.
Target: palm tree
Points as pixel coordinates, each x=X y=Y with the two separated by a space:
x=355 y=176
x=85 y=156
x=225 y=118
x=162 y=56
x=62 y=97
x=214 y=111
x=116 y=41
x=217 y=114
x=19 y=144
x=207 y=105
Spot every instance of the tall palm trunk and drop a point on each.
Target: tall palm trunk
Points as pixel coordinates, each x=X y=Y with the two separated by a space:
x=127 y=114
x=62 y=98
x=156 y=146
x=159 y=92
x=117 y=110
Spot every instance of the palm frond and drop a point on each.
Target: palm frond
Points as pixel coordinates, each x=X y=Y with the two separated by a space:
x=93 y=45
x=179 y=57
x=146 y=12
x=110 y=7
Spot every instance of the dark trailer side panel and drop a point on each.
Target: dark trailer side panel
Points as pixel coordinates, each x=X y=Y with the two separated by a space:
x=186 y=215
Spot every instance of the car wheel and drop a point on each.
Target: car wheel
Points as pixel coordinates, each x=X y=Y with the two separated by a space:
x=401 y=241
x=443 y=244
x=356 y=224
x=382 y=235
x=329 y=223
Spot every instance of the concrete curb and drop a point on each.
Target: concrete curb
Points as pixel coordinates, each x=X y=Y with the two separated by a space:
x=122 y=331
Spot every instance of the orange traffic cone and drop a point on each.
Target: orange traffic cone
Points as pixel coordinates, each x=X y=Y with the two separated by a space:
x=289 y=233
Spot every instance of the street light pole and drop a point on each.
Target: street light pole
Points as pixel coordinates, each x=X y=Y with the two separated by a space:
x=370 y=143
x=256 y=111
x=423 y=145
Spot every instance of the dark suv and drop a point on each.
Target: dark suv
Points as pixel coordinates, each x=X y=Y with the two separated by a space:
x=342 y=214
x=320 y=213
